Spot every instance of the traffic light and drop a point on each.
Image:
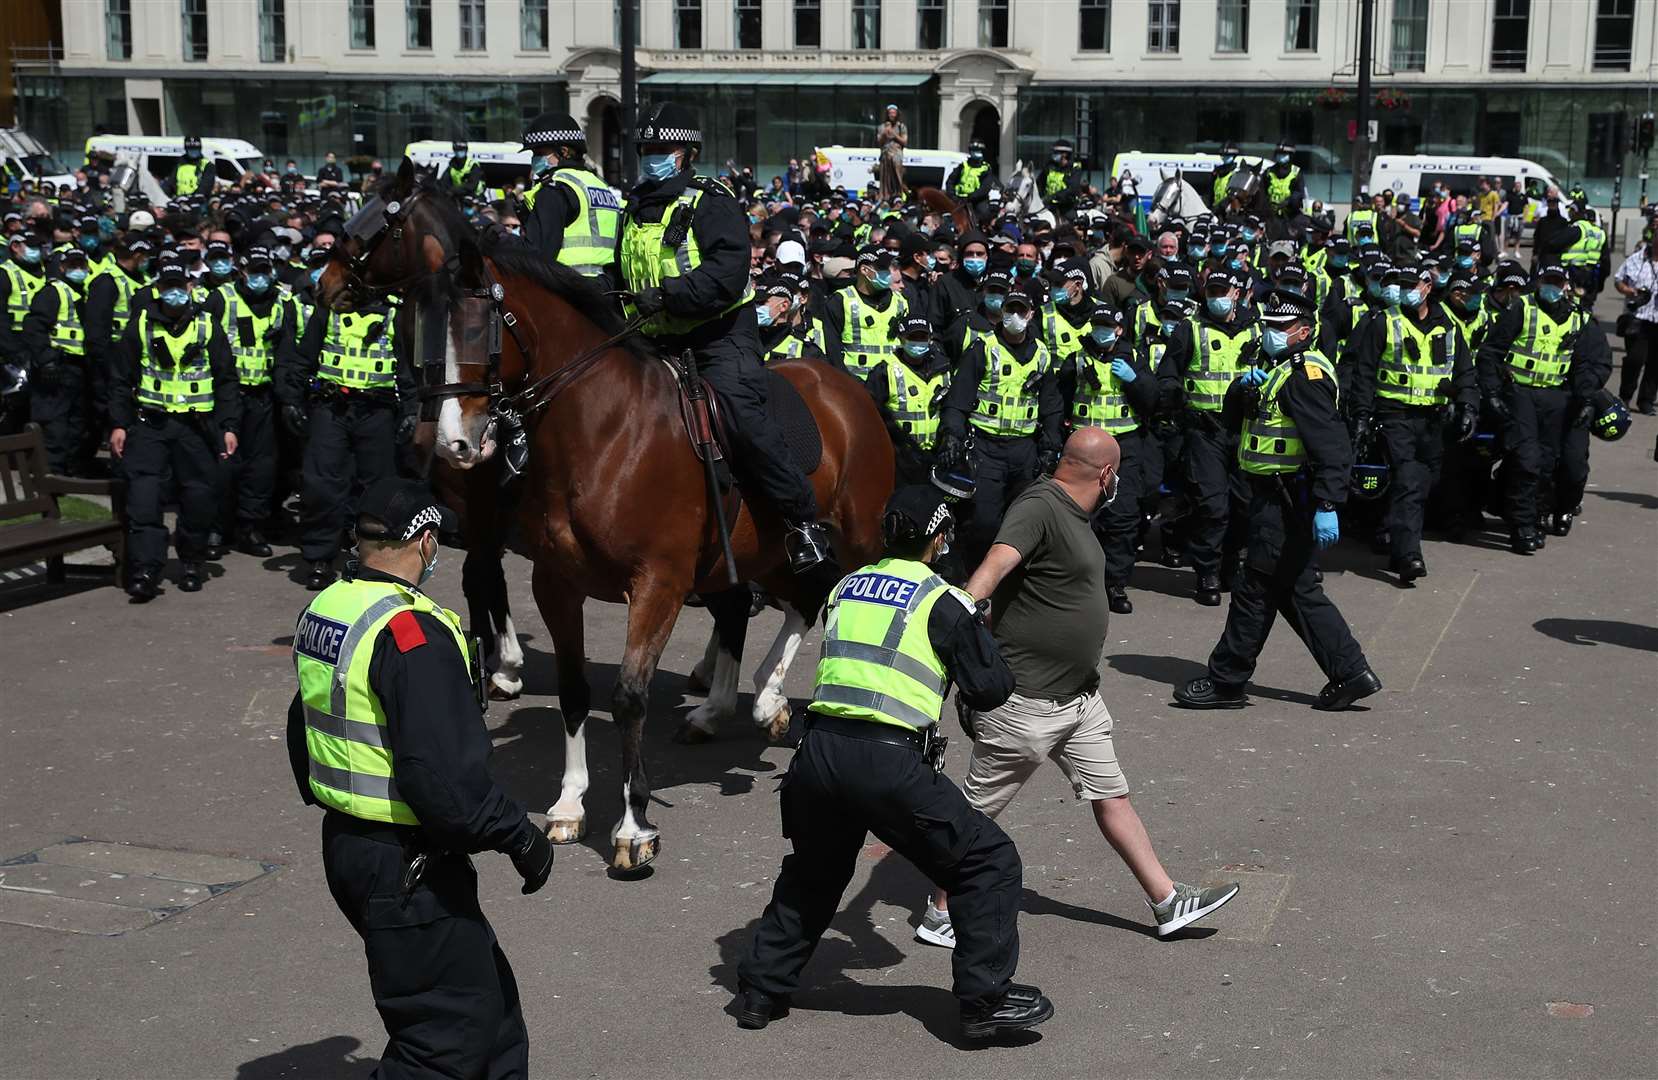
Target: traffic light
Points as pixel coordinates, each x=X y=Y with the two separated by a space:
x=1644 y=128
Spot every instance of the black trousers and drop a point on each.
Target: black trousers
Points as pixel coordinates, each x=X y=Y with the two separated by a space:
x=168 y=453
x=1531 y=449
x=247 y=479
x=1415 y=439
x=60 y=401
x=731 y=364
x=441 y=984
x=349 y=446
x=1638 y=381
x=1571 y=473
x=838 y=789
x=1003 y=467
x=1209 y=462
x=1278 y=580
x=1118 y=522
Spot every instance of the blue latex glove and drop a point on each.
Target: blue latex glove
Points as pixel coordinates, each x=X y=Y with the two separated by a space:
x=1121 y=369
x=1253 y=377
x=1326 y=527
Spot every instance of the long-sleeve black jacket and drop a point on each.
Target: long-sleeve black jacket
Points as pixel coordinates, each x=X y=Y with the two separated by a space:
x=297 y=369
x=440 y=746
x=1141 y=393
x=968 y=651
x=101 y=294
x=721 y=230
x=1591 y=354
x=36 y=333
x=1308 y=397
x=1367 y=356
x=1171 y=371
x=964 y=391
x=127 y=357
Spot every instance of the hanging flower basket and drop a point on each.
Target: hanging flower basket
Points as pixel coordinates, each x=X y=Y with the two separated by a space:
x=1392 y=101
x=1330 y=98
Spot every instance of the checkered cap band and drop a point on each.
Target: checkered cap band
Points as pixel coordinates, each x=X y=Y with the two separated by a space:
x=669 y=135
x=554 y=138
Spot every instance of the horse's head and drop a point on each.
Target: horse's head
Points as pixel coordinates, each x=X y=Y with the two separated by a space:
x=459 y=338
x=396 y=239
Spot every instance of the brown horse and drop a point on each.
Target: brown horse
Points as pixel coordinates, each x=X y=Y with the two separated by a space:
x=942 y=202
x=614 y=504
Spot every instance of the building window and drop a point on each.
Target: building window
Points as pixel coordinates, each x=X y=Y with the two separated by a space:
x=993 y=24
x=808 y=24
x=1510 y=30
x=1163 y=26
x=418 y=16
x=361 y=18
x=472 y=26
x=748 y=24
x=195 y=29
x=273 y=31
x=687 y=24
x=532 y=26
x=1232 y=26
x=1614 y=34
x=118 y=29
x=1301 y=26
x=929 y=24
x=1410 y=35
x=1094 y=25
x=866 y=24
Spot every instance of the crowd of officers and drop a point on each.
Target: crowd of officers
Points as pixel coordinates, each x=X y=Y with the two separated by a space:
x=193 y=345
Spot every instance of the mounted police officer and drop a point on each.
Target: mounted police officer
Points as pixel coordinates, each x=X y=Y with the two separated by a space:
x=192 y=175
x=1221 y=188
x=971 y=181
x=1285 y=187
x=251 y=310
x=683 y=259
x=386 y=734
x=1061 y=182
x=463 y=178
x=54 y=337
x=573 y=217
x=175 y=411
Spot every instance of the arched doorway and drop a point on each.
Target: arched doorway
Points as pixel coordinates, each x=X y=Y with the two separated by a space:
x=982 y=123
x=604 y=138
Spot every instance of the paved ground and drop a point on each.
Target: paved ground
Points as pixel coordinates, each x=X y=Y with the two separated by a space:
x=1458 y=881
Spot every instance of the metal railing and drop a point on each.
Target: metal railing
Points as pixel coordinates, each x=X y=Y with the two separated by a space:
x=37 y=56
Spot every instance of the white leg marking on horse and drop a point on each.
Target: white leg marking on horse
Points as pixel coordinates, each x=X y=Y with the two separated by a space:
x=722 y=695
x=509 y=669
x=627 y=828
x=769 y=698
x=569 y=805
x=703 y=671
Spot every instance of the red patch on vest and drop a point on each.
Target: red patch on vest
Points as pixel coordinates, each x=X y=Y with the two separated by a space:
x=405 y=630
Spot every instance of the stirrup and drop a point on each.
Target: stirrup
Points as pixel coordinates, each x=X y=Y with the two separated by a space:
x=806 y=544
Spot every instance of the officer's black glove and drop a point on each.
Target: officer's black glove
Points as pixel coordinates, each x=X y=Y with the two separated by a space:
x=1361 y=429
x=649 y=301
x=295 y=420
x=1047 y=461
x=1468 y=421
x=406 y=428
x=1583 y=412
x=534 y=860
x=1497 y=405
x=952 y=452
x=964 y=717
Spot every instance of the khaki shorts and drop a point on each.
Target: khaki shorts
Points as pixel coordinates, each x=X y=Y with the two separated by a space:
x=1011 y=740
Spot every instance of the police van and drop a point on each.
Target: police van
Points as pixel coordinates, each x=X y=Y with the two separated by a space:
x=1414 y=175
x=504 y=164
x=24 y=160
x=854 y=168
x=159 y=155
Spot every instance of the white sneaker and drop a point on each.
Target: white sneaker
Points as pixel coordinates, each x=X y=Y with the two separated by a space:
x=1189 y=904
x=936 y=928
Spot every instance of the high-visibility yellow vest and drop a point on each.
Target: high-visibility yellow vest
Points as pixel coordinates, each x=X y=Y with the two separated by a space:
x=913 y=401
x=175 y=373
x=351 y=768
x=1222 y=180
x=1270 y=442
x=252 y=336
x=1469 y=230
x=68 y=335
x=878 y=662
x=1008 y=394
x=1064 y=341
x=1215 y=362
x=299 y=311
x=589 y=242
x=868 y=336
x=970 y=180
x=462 y=175
x=125 y=289
x=1100 y=401
x=1279 y=187
x=1149 y=339
x=187 y=177
x=1054 y=181
x=1363 y=216
x=646 y=262
x=22 y=284
x=1470 y=330
x=1586 y=249
x=1416 y=363
x=1542 y=352
x=358 y=350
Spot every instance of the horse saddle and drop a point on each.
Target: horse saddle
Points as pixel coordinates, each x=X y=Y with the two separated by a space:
x=786 y=412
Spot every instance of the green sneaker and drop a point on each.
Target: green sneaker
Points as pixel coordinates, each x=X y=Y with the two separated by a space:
x=1189 y=904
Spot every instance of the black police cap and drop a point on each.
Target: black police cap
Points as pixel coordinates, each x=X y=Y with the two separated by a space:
x=1283 y=308
x=400 y=510
x=919 y=509
x=553 y=129
x=670 y=123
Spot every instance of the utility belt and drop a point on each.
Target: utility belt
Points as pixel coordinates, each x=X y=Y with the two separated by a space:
x=418 y=851
x=151 y=417
x=927 y=742
x=1201 y=420
x=323 y=392
x=259 y=390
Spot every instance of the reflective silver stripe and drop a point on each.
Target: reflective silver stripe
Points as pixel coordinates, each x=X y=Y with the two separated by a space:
x=369 y=787
x=353 y=638
x=341 y=728
x=895 y=630
x=868 y=699
x=884 y=657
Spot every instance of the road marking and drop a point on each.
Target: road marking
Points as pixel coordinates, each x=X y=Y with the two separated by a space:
x=1444 y=630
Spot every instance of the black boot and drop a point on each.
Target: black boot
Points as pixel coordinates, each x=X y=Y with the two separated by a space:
x=1019 y=1008
x=1519 y=542
x=190 y=577
x=1206 y=693
x=1208 y=590
x=1410 y=568
x=1339 y=695
x=807 y=544
x=1562 y=523
x=215 y=546
x=755 y=1009
x=1120 y=603
x=143 y=586
x=322 y=576
x=253 y=542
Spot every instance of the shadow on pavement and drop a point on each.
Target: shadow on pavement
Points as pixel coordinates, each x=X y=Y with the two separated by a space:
x=1172 y=671
x=16 y=595
x=324 y=1059
x=1600 y=632
x=1034 y=903
x=1641 y=499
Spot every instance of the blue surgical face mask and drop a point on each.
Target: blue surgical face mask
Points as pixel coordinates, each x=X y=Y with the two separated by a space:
x=762 y=314
x=541 y=165
x=175 y=298
x=1227 y=159
x=220 y=267
x=1197 y=251
x=1413 y=298
x=1236 y=264
x=1374 y=288
x=1472 y=303
x=1440 y=277
x=917 y=349
x=882 y=279
x=1465 y=261
x=89 y=244
x=993 y=301
x=1175 y=296
x=1275 y=342
x=30 y=255
x=75 y=277
x=1105 y=335
x=1338 y=262
x=974 y=265
x=283 y=252
x=1169 y=327
x=1549 y=294
x=1219 y=248
x=315 y=275
x=1220 y=306
x=1282 y=159
x=657 y=166
x=1247 y=235
x=932 y=264
x=1059 y=297
x=1392 y=294
x=259 y=283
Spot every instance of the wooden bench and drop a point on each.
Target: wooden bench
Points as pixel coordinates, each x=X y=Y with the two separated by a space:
x=27 y=488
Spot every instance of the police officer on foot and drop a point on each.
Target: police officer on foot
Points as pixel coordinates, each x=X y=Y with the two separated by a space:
x=251 y=311
x=909 y=390
x=865 y=315
x=573 y=217
x=386 y=734
x=683 y=260
x=175 y=411
x=54 y=335
x=1295 y=452
x=897 y=636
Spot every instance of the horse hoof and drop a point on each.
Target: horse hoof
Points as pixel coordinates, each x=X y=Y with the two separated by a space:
x=690 y=734
x=567 y=830
x=504 y=689
x=632 y=856
x=777 y=731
